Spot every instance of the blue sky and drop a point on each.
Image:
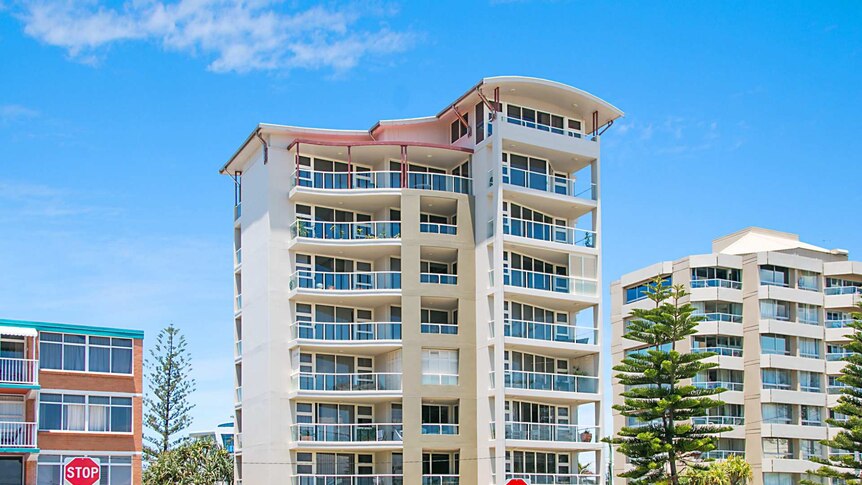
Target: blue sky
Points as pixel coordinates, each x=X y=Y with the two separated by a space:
x=114 y=119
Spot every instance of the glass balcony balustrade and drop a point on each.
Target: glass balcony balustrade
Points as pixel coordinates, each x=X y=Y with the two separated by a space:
x=346 y=281
x=346 y=231
x=548 y=183
x=342 y=332
x=382 y=180
x=540 y=381
x=348 y=433
x=347 y=382
x=549 y=232
x=551 y=332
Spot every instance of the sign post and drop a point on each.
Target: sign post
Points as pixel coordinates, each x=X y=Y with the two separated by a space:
x=81 y=471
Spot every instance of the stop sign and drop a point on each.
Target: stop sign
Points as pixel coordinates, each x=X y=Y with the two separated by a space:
x=517 y=481
x=81 y=471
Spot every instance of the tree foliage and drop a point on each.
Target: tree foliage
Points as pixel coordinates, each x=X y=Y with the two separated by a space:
x=665 y=442
x=732 y=471
x=844 y=460
x=170 y=385
x=198 y=462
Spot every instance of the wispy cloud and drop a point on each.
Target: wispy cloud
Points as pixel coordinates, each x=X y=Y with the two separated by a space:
x=25 y=201
x=676 y=136
x=11 y=113
x=237 y=35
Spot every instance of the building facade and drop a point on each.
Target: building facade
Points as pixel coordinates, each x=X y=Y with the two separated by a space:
x=420 y=301
x=69 y=391
x=776 y=310
x=222 y=435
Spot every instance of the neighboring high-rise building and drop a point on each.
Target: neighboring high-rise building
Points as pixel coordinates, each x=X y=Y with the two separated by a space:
x=776 y=310
x=420 y=301
x=222 y=435
x=69 y=391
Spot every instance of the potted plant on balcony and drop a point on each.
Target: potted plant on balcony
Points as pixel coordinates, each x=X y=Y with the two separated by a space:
x=586 y=436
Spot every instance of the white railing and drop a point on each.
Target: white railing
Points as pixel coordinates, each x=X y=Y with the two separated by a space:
x=550 y=129
x=724 y=351
x=716 y=283
x=722 y=454
x=349 y=281
x=435 y=228
x=346 y=231
x=17 y=435
x=729 y=385
x=440 y=479
x=440 y=428
x=843 y=290
x=375 y=479
x=556 y=478
x=553 y=332
x=440 y=379
x=353 y=331
x=441 y=328
x=347 y=382
x=541 y=381
x=549 y=232
x=719 y=420
x=439 y=278
x=550 y=282
x=547 y=183
x=568 y=433
x=19 y=371
x=720 y=317
x=381 y=180
x=363 y=433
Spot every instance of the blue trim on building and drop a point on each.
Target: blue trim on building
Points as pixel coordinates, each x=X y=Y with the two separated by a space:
x=73 y=328
x=19 y=450
x=19 y=386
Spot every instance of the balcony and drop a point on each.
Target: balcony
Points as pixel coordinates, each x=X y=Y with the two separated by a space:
x=17 y=435
x=346 y=281
x=722 y=454
x=439 y=479
x=348 y=433
x=381 y=180
x=440 y=428
x=347 y=382
x=343 y=232
x=347 y=332
x=838 y=323
x=843 y=290
x=540 y=381
x=550 y=282
x=19 y=372
x=439 y=379
x=544 y=182
x=541 y=231
x=568 y=433
x=728 y=385
x=556 y=478
x=719 y=420
x=717 y=283
x=438 y=278
x=551 y=332
x=376 y=479
x=439 y=328
x=723 y=351
x=838 y=356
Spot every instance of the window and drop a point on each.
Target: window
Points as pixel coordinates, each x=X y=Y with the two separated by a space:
x=777 y=448
x=439 y=419
x=776 y=379
x=719 y=311
x=480 y=121
x=458 y=129
x=773 y=275
x=810 y=448
x=774 y=344
x=775 y=309
x=116 y=469
x=716 y=277
x=538 y=119
x=98 y=414
x=808 y=280
x=11 y=408
x=809 y=347
x=810 y=381
x=770 y=478
x=812 y=415
x=85 y=354
x=440 y=367
x=808 y=314
x=639 y=292
x=777 y=413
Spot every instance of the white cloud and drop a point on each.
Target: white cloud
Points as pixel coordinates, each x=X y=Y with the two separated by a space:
x=15 y=112
x=237 y=35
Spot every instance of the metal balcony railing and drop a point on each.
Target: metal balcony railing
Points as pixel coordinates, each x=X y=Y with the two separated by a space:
x=540 y=381
x=547 y=183
x=440 y=480
x=729 y=385
x=19 y=371
x=716 y=283
x=346 y=231
x=549 y=232
x=550 y=282
x=557 y=130
x=438 y=278
x=441 y=328
x=719 y=420
x=569 y=433
x=375 y=479
x=342 y=332
x=323 y=381
x=434 y=228
x=720 y=317
x=843 y=290
x=552 y=332
x=440 y=428
x=17 y=435
x=346 y=281
x=381 y=180
x=724 y=351
x=350 y=433
x=556 y=478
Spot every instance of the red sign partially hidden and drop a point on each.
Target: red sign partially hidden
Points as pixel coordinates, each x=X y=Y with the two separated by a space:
x=517 y=481
x=82 y=471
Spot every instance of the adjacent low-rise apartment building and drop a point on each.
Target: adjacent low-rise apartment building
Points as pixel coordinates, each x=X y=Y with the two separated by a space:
x=775 y=312
x=69 y=391
x=419 y=302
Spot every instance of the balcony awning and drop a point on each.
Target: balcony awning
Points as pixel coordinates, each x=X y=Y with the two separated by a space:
x=18 y=331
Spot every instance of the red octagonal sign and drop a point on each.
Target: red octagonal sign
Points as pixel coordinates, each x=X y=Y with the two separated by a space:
x=81 y=471
x=517 y=481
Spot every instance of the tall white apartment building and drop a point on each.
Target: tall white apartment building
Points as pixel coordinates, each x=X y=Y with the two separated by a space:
x=419 y=302
x=776 y=310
